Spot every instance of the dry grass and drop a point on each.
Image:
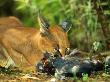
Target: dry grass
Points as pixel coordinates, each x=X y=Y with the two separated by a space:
x=37 y=77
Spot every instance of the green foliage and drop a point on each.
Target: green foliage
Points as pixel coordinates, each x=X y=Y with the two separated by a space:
x=97 y=46
x=85 y=25
x=85 y=77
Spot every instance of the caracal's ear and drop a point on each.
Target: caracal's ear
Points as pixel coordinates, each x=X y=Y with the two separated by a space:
x=44 y=25
x=66 y=25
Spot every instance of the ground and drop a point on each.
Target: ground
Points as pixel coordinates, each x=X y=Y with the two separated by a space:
x=18 y=76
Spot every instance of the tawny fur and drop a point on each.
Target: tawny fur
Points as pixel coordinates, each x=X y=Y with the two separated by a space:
x=10 y=21
x=5 y=23
x=27 y=45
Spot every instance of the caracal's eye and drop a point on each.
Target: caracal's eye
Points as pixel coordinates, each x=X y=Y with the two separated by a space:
x=67 y=51
x=57 y=52
x=56 y=47
x=60 y=50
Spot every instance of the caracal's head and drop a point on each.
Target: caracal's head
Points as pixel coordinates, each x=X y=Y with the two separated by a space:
x=53 y=38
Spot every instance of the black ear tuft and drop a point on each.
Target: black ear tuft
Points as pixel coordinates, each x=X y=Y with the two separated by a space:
x=66 y=25
x=43 y=23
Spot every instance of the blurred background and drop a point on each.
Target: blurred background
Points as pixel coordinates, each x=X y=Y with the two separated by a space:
x=90 y=18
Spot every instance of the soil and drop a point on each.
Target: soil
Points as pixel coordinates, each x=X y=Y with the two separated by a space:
x=43 y=77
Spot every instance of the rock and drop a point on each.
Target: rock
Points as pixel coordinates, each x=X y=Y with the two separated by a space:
x=53 y=80
x=75 y=53
x=107 y=60
x=107 y=64
x=27 y=76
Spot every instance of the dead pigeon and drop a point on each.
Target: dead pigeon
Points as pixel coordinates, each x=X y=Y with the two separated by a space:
x=69 y=66
x=98 y=65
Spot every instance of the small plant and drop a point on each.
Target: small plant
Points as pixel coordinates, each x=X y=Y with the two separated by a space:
x=75 y=78
x=105 y=68
x=97 y=47
x=75 y=70
x=85 y=77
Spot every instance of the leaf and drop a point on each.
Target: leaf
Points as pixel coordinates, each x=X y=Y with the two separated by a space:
x=21 y=7
x=22 y=4
x=104 y=4
x=107 y=12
